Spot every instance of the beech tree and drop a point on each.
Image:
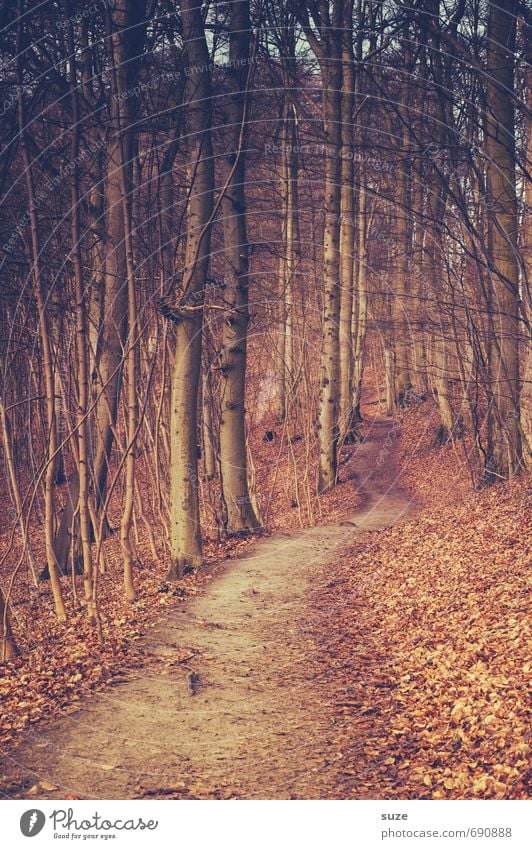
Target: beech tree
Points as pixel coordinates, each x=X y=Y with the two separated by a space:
x=505 y=450
x=240 y=514
x=188 y=314
x=323 y=30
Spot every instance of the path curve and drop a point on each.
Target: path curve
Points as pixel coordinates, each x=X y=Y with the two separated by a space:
x=242 y=717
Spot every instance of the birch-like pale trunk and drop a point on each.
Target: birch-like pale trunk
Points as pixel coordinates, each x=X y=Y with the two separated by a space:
x=328 y=411
x=327 y=47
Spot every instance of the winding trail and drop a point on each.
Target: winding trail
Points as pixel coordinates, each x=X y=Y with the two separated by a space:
x=243 y=717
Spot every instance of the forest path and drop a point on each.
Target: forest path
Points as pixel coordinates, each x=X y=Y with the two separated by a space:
x=244 y=717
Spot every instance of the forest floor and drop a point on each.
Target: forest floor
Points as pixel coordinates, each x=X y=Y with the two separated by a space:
x=380 y=657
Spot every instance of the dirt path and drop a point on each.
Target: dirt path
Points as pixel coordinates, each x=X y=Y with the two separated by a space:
x=243 y=717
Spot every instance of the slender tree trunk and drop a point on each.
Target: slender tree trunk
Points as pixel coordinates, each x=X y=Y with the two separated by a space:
x=362 y=297
x=328 y=414
x=292 y=245
x=282 y=312
x=127 y=26
x=289 y=252
x=81 y=336
x=526 y=392
x=419 y=370
x=45 y=343
x=328 y=50
x=209 y=436
x=232 y=361
x=347 y=226
x=123 y=152
x=505 y=450
x=15 y=490
x=389 y=374
x=185 y=531
x=8 y=646
x=402 y=300
x=330 y=356
x=437 y=202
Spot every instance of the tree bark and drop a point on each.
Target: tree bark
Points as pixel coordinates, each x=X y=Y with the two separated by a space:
x=124 y=49
x=526 y=391
x=81 y=337
x=241 y=516
x=402 y=300
x=362 y=299
x=289 y=253
x=505 y=450
x=8 y=646
x=347 y=227
x=185 y=531
x=44 y=332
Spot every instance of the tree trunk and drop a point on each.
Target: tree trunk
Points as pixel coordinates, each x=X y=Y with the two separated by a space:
x=185 y=531
x=289 y=252
x=362 y=297
x=123 y=152
x=526 y=392
x=505 y=451
x=292 y=245
x=44 y=332
x=389 y=373
x=232 y=360
x=124 y=49
x=81 y=339
x=402 y=300
x=15 y=489
x=8 y=646
x=209 y=436
x=347 y=227
x=435 y=250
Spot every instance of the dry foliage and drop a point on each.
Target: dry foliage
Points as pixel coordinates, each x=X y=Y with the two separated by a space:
x=424 y=635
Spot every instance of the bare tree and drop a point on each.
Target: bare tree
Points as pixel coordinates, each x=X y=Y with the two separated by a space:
x=232 y=359
x=185 y=531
